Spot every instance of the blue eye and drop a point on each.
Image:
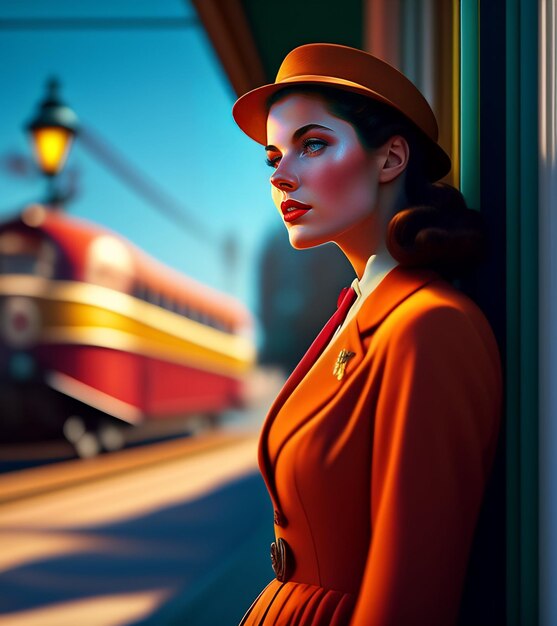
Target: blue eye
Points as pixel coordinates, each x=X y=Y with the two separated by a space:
x=272 y=162
x=312 y=145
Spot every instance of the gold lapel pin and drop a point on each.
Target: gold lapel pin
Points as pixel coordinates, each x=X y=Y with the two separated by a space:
x=340 y=365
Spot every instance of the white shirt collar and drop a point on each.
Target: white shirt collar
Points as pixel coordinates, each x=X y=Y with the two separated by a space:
x=374 y=272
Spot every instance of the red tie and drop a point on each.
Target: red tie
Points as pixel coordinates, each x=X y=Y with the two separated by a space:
x=345 y=301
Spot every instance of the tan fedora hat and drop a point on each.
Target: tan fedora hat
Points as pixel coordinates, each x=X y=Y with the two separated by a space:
x=348 y=69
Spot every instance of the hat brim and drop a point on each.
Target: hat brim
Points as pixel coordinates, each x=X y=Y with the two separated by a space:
x=251 y=111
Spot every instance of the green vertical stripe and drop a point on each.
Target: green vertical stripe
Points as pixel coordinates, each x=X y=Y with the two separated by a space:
x=513 y=314
x=410 y=18
x=470 y=102
x=522 y=311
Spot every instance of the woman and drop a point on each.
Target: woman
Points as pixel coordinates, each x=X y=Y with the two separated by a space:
x=377 y=450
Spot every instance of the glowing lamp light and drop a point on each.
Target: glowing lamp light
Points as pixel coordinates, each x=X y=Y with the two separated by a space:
x=51 y=148
x=52 y=131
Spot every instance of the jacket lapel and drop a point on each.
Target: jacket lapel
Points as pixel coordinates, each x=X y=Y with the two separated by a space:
x=317 y=388
x=299 y=402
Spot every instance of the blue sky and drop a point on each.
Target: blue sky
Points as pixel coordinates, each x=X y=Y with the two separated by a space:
x=160 y=98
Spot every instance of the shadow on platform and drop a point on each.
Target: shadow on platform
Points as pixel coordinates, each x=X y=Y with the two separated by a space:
x=209 y=558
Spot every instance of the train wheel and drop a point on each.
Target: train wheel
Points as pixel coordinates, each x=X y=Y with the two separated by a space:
x=86 y=444
x=74 y=429
x=111 y=437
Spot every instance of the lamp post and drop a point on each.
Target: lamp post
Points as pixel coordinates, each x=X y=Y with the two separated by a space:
x=52 y=131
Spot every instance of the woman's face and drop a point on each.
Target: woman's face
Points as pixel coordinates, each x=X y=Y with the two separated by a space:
x=325 y=182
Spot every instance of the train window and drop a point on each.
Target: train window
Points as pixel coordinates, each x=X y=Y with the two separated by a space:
x=21 y=254
x=152 y=297
x=217 y=324
x=140 y=291
x=46 y=261
x=223 y=326
x=17 y=263
x=167 y=303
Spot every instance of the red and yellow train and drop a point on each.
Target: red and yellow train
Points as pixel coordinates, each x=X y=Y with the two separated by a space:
x=95 y=334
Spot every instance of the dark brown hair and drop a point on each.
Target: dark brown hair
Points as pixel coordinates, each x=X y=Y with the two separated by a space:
x=436 y=229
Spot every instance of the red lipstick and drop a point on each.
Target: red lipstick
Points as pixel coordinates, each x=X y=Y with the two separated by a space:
x=292 y=209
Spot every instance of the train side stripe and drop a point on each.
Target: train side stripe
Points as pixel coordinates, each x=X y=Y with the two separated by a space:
x=93 y=397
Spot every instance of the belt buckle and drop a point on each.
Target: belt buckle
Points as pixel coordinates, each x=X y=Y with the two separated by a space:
x=282 y=559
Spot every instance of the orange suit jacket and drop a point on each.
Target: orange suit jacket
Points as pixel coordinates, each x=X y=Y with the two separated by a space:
x=377 y=478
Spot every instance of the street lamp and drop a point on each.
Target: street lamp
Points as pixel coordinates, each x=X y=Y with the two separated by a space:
x=52 y=131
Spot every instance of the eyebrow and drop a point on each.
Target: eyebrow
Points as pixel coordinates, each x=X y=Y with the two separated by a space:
x=301 y=131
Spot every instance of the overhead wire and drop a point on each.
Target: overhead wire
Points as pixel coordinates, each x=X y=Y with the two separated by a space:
x=142 y=184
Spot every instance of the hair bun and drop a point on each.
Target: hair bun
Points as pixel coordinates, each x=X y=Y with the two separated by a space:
x=447 y=237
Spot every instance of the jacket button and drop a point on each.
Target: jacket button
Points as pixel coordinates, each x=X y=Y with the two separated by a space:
x=282 y=560
x=280 y=520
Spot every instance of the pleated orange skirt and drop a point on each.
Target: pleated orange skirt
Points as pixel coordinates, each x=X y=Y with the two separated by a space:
x=298 y=604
